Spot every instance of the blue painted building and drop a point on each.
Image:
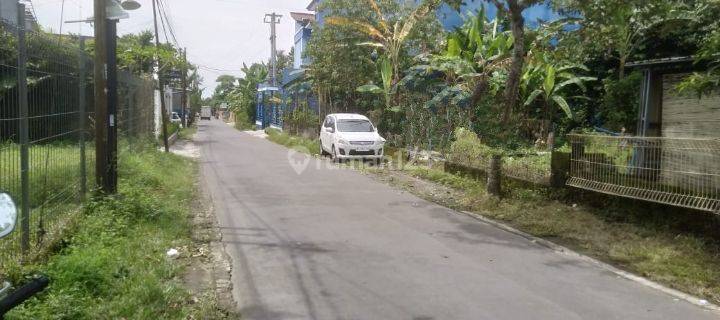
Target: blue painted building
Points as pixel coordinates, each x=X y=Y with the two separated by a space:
x=295 y=92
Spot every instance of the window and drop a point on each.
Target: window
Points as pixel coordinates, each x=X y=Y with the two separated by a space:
x=355 y=126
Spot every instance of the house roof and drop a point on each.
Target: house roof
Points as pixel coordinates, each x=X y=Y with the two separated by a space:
x=313 y=4
x=661 y=61
x=302 y=16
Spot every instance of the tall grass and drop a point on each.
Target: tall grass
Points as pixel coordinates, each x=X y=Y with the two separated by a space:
x=114 y=264
x=311 y=146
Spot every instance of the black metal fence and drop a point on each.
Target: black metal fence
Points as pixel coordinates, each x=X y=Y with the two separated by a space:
x=46 y=125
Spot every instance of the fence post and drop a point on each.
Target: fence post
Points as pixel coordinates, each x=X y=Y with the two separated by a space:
x=559 y=167
x=24 y=131
x=130 y=117
x=82 y=112
x=494 y=175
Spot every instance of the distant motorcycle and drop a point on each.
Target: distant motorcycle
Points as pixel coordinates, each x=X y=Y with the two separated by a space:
x=10 y=298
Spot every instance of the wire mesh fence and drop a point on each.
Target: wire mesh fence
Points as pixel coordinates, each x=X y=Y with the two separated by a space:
x=673 y=171
x=46 y=132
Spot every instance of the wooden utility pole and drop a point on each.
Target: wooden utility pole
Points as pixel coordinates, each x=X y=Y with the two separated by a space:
x=101 y=94
x=184 y=92
x=161 y=84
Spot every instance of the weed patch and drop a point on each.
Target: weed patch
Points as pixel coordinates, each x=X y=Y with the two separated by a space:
x=114 y=265
x=311 y=146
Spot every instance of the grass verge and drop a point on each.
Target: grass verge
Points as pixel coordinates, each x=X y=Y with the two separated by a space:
x=634 y=236
x=114 y=265
x=311 y=146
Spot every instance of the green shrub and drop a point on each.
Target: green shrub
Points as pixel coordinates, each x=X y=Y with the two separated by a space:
x=468 y=149
x=299 y=120
x=305 y=145
x=114 y=265
x=620 y=103
x=243 y=121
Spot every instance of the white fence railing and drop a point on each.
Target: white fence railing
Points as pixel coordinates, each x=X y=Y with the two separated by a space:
x=673 y=171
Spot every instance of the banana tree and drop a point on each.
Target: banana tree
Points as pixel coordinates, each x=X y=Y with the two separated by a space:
x=389 y=39
x=550 y=83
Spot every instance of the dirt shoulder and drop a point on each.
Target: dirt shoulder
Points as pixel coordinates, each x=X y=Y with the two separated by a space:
x=207 y=266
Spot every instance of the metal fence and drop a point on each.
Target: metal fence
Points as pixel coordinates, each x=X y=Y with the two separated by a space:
x=46 y=125
x=673 y=171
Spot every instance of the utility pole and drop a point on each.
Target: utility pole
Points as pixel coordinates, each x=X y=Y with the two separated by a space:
x=273 y=19
x=184 y=92
x=101 y=95
x=106 y=99
x=112 y=106
x=163 y=108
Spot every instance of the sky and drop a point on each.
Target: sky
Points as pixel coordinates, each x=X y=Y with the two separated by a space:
x=219 y=34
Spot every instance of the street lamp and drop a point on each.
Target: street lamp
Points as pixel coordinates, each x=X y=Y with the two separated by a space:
x=130 y=5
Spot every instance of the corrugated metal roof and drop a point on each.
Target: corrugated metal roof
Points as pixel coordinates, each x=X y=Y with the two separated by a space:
x=650 y=62
x=302 y=16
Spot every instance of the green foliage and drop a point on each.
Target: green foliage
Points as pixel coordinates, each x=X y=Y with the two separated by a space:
x=300 y=144
x=619 y=28
x=114 y=264
x=342 y=48
x=242 y=121
x=620 y=102
x=702 y=83
x=468 y=149
x=240 y=94
x=300 y=120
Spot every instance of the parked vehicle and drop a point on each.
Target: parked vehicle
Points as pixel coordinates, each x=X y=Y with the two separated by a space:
x=350 y=136
x=175 y=118
x=10 y=298
x=205 y=113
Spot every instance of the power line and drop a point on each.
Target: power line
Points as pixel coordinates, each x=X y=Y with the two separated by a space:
x=162 y=22
x=170 y=21
x=164 y=19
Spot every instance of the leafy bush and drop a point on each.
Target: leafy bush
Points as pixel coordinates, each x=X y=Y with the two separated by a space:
x=468 y=149
x=243 y=121
x=619 y=106
x=299 y=120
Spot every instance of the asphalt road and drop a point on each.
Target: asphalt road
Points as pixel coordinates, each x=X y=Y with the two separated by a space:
x=334 y=244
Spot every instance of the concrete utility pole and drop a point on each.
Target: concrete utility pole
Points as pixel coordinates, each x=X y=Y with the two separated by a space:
x=273 y=19
x=184 y=89
x=163 y=108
